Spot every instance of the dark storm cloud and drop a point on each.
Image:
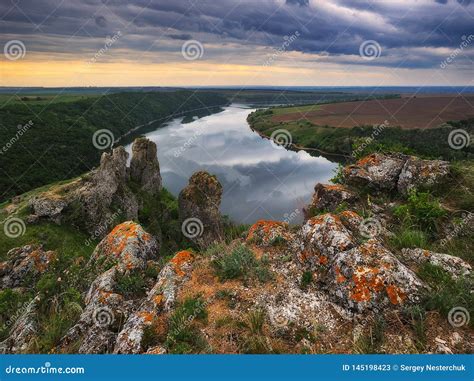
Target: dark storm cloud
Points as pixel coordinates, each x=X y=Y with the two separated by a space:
x=332 y=28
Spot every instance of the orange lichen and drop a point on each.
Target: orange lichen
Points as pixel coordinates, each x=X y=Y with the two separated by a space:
x=323 y=260
x=368 y=160
x=179 y=260
x=339 y=277
x=350 y=214
x=147 y=316
x=395 y=294
x=366 y=280
x=336 y=187
x=158 y=299
x=264 y=226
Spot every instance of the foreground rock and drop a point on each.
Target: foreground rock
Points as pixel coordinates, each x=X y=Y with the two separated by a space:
x=160 y=299
x=269 y=233
x=128 y=246
x=417 y=172
x=199 y=204
x=369 y=277
x=24 y=262
x=455 y=266
x=329 y=197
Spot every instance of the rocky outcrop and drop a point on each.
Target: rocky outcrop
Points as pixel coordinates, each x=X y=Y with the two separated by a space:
x=103 y=197
x=455 y=266
x=321 y=237
x=328 y=198
x=369 y=277
x=269 y=233
x=23 y=330
x=417 y=172
x=144 y=166
x=47 y=207
x=27 y=261
x=376 y=171
x=160 y=299
x=128 y=246
x=199 y=204
x=107 y=193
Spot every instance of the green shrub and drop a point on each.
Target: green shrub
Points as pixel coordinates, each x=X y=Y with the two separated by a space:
x=306 y=280
x=183 y=336
x=415 y=317
x=241 y=263
x=130 y=285
x=422 y=210
x=254 y=340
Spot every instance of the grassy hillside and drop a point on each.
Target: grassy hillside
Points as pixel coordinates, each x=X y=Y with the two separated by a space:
x=57 y=143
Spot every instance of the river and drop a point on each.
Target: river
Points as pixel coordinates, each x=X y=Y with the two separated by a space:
x=260 y=180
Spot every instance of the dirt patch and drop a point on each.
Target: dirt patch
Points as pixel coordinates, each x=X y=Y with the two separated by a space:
x=409 y=112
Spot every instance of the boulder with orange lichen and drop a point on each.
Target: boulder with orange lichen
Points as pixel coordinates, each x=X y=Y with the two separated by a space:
x=417 y=172
x=376 y=171
x=369 y=277
x=127 y=245
x=321 y=237
x=328 y=197
x=268 y=233
x=161 y=298
x=104 y=312
x=351 y=220
x=455 y=266
x=199 y=204
x=27 y=261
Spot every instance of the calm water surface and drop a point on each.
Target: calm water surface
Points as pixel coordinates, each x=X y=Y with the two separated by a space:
x=260 y=181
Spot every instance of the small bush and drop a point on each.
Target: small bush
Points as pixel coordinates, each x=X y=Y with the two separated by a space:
x=422 y=210
x=241 y=263
x=255 y=340
x=183 y=336
x=132 y=285
x=415 y=316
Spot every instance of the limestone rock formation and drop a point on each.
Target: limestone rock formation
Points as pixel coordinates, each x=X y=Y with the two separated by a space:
x=376 y=171
x=267 y=233
x=160 y=299
x=321 y=237
x=29 y=260
x=128 y=246
x=23 y=329
x=199 y=204
x=455 y=266
x=369 y=277
x=144 y=166
x=328 y=197
x=47 y=207
x=417 y=172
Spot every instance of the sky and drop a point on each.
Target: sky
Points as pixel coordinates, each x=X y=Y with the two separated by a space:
x=240 y=43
